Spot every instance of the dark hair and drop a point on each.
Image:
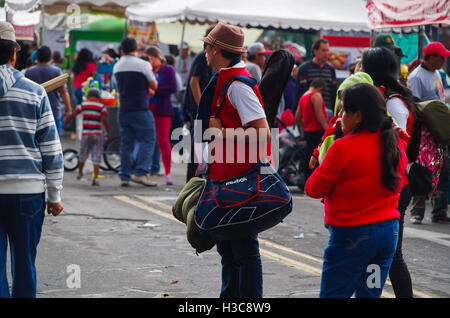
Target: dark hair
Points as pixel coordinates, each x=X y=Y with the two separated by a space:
x=170 y=60
x=128 y=45
x=22 y=55
x=93 y=92
x=6 y=49
x=230 y=55
x=208 y=30
x=317 y=43
x=369 y=101
x=382 y=66
x=56 y=56
x=84 y=56
x=111 y=52
x=44 y=54
x=426 y=57
x=318 y=83
x=154 y=51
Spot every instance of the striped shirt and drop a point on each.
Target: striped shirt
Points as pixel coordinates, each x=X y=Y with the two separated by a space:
x=31 y=158
x=310 y=71
x=92 y=117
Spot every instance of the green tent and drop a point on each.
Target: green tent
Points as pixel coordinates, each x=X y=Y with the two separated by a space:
x=107 y=30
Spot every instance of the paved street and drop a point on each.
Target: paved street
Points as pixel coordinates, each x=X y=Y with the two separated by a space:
x=124 y=242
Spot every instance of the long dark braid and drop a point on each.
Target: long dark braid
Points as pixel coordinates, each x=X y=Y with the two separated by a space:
x=391 y=155
x=369 y=101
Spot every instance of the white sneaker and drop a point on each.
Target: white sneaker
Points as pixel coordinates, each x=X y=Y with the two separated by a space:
x=144 y=180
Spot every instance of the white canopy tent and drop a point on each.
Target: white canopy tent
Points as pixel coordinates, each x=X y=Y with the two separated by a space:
x=342 y=15
x=30 y=4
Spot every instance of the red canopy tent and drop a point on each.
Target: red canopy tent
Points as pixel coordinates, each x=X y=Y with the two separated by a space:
x=406 y=13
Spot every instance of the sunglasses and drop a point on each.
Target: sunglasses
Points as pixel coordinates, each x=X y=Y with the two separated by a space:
x=205 y=45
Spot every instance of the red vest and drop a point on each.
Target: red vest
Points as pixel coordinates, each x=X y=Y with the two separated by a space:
x=308 y=113
x=233 y=163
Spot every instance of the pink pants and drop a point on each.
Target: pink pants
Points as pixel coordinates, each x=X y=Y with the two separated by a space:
x=162 y=125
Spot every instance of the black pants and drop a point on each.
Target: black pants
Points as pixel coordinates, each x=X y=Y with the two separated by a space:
x=399 y=273
x=313 y=139
x=191 y=166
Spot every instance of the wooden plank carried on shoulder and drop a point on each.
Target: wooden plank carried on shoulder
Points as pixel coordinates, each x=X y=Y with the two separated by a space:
x=55 y=83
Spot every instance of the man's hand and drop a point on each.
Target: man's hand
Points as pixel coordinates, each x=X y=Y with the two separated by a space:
x=215 y=123
x=67 y=118
x=54 y=208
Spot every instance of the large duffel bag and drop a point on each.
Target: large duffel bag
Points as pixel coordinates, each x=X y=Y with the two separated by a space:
x=245 y=205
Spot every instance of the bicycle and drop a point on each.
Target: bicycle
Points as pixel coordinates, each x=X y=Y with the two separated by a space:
x=111 y=156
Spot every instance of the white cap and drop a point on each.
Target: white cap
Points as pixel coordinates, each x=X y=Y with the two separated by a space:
x=183 y=45
x=7 y=32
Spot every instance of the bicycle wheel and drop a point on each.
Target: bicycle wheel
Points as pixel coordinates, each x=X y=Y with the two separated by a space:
x=111 y=154
x=70 y=157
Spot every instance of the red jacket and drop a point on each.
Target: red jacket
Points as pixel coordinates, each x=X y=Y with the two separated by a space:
x=350 y=180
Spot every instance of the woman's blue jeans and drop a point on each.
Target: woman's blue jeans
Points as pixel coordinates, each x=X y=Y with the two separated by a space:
x=21 y=219
x=357 y=260
x=241 y=268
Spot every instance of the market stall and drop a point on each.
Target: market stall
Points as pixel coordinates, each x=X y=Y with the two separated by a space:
x=105 y=31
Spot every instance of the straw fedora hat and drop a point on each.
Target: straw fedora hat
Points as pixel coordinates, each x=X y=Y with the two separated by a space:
x=227 y=37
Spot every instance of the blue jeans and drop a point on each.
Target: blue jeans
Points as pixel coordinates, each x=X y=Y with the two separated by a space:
x=357 y=260
x=136 y=127
x=58 y=122
x=241 y=268
x=78 y=93
x=155 y=165
x=21 y=219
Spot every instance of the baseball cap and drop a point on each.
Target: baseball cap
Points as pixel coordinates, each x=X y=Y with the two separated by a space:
x=7 y=33
x=183 y=45
x=435 y=48
x=387 y=41
x=258 y=48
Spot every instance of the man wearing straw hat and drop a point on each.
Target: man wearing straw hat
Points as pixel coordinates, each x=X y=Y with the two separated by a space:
x=241 y=107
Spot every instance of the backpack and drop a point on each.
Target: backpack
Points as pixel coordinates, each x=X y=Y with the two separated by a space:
x=424 y=173
x=425 y=154
x=436 y=115
x=274 y=81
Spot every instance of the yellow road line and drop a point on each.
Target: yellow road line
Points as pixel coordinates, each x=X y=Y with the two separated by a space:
x=288 y=250
x=290 y=262
x=145 y=207
x=271 y=255
x=158 y=203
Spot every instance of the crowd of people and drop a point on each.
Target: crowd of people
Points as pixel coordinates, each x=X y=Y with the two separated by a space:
x=361 y=173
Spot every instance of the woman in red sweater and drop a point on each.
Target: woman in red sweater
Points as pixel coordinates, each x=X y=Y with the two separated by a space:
x=360 y=178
